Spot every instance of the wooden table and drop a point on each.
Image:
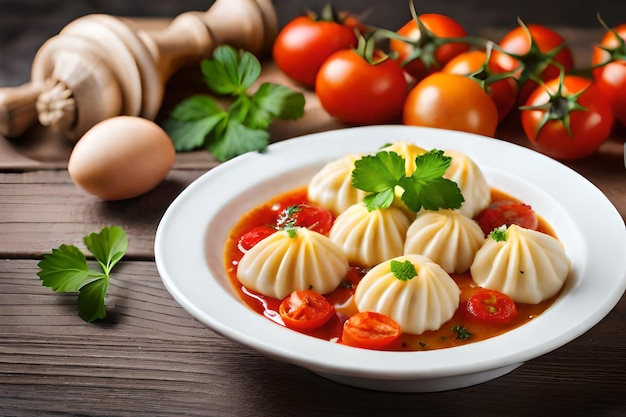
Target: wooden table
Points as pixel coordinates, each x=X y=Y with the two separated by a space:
x=149 y=357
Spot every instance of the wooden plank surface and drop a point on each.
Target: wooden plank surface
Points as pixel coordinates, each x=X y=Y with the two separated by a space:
x=149 y=357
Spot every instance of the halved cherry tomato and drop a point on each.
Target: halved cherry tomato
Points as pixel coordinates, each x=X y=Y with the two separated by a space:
x=581 y=105
x=491 y=306
x=370 y=330
x=305 y=310
x=610 y=69
x=357 y=91
x=254 y=236
x=502 y=91
x=451 y=101
x=537 y=45
x=310 y=216
x=439 y=27
x=506 y=213
x=303 y=44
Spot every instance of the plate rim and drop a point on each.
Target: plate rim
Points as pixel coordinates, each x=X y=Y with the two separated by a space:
x=360 y=364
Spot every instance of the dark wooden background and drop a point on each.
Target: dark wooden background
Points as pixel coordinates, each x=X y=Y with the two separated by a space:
x=26 y=24
x=149 y=357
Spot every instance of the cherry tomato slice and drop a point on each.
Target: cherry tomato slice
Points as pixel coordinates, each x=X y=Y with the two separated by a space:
x=491 y=306
x=310 y=216
x=305 y=310
x=370 y=330
x=506 y=213
x=254 y=236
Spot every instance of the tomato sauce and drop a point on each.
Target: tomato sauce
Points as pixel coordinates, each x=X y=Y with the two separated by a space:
x=461 y=329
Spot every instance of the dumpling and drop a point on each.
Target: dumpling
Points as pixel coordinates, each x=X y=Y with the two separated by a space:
x=409 y=151
x=331 y=187
x=445 y=236
x=471 y=180
x=424 y=302
x=527 y=265
x=370 y=237
x=290 y=260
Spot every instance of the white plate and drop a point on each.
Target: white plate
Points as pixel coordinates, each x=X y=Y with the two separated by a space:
x=190 y=239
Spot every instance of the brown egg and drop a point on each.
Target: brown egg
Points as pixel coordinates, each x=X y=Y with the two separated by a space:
x=121 y=157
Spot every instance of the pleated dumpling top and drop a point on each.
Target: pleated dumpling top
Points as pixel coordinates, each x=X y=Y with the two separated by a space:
x=445 y=236
x=527 y=265
x=424 y=302
x=408 y=151
x=471 y=180
x=370 y=237
x=290 y=260
x=331 y=187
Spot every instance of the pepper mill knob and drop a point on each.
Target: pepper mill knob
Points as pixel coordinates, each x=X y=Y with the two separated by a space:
x=100 y=66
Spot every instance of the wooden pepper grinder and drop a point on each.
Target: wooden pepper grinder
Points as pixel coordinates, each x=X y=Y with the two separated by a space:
x=100 y=66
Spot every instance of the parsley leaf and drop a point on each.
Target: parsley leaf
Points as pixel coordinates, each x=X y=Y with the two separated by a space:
x=404 y=271
x=65 y=269
x=381 y=173
x=499 y=234
x=200 y=121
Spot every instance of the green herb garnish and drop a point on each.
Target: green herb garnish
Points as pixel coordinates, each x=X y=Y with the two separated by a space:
x=404 y=271
x=200 y=120
x=66 y=270
x=461 y=332
x=498 y=234
x=382 y=173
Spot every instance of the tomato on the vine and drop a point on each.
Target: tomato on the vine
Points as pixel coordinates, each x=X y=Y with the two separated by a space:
x=503 y=91
x=303 y=44
x=609 y=61
x=451 y=101
x=491 y=306
x=370 y=330
x=567 y=118
x=361 y=90
x=305 y=310
x=430 y=49
x=532 y=50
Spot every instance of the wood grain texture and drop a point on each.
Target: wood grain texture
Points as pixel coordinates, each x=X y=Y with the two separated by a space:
x=149 y=357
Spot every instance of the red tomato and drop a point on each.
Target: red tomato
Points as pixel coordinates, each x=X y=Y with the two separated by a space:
x=305 y=310
x=356 y=91
x=611 y=77
x=590 y=125
x=370 y=330
x=474 y=63
x=451 y=101
x=506 y=213
x=302 y=46
x=310 y=216
x=254 y=236
x=439 y=27
x=491 y=306
x=535 y=60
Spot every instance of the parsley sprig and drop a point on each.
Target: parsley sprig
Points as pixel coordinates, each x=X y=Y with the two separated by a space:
x=66 y=270
x=380 y=174
x=200 y=121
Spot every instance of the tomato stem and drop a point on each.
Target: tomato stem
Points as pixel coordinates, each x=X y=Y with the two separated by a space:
x=558 y=107
x=617 y=53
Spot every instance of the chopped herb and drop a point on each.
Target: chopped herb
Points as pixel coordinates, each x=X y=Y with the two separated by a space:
x=499 y=234
x=381 y=173
x=66 y=270
x=200 y=120
x=404 y=271
x=461 y=332
x=288 y=217
x=292 y=232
